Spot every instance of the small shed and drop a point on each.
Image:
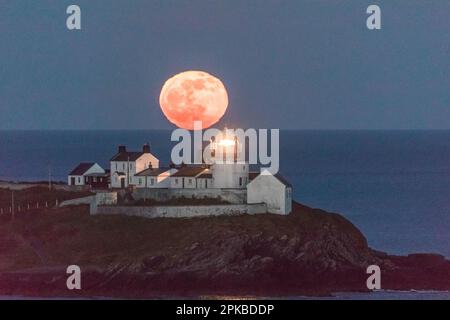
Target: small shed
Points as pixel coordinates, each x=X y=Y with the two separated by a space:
x=273 y=190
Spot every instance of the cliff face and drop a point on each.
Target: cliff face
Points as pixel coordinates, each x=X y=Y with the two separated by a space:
x=308 y=252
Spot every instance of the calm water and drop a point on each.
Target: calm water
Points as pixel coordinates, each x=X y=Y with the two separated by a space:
x=394 y=185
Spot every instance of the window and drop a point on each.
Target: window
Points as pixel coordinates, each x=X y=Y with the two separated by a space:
x=140 y=181
x=176 y=181
x=79 y=180
x=190 y=181
x=123 y=166
x=152 y=181
x=95 y=179
x=240 y=181
x=116 y=166
x=131 y=166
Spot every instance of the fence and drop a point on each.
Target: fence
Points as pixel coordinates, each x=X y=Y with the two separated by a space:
x=28 y=206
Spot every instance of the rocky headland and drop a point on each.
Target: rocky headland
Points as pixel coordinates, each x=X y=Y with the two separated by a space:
x=309 y=252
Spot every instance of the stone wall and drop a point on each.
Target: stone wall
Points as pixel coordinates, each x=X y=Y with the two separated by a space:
x=234 y=196
x=103 y=198
x=183 y=211
x=77 y=201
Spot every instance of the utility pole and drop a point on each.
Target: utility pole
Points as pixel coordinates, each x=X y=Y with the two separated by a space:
x=49 y=177
x=12 y=204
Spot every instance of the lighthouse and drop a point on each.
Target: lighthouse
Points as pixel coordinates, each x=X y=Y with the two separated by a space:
x=229 y=168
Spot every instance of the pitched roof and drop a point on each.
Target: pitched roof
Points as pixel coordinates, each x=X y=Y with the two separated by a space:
x=206 y=176
x=81 y=168
x=152 y=172
x=283 y=180
x=189 y=172
x=127 y=156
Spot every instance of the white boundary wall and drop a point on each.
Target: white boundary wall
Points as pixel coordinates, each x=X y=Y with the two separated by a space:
x=183 y=211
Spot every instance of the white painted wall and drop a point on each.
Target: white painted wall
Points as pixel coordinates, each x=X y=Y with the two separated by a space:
x=130 y=168
x=230 y=175
x=204 y=183
x=160 y=181
x=183 y=182
x=266 y=188
x=181 y=211
x=80 y=180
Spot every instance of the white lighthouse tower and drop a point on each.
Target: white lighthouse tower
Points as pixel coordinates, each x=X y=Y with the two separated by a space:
x=229 y=168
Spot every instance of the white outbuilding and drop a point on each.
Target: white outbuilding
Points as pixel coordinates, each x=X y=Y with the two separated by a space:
x=154 y=178
x=77 y=177
x=273 y=190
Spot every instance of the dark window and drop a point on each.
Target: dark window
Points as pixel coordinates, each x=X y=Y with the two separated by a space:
x=240 y=181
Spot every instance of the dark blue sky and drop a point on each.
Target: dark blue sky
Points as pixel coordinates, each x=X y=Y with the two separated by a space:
x=286 y=64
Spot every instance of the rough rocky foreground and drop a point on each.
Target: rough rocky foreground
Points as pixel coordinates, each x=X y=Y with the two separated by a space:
x=309 y=252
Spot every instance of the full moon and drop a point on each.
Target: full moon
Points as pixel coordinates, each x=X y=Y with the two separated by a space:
x=193 y=96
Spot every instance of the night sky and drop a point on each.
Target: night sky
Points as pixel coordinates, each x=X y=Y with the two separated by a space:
x=286 y=64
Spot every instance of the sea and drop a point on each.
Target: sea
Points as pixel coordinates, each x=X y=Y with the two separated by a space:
x=393 y=185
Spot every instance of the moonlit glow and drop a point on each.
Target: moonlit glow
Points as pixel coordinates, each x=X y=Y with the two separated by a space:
x=226 y=142
x=193 y=96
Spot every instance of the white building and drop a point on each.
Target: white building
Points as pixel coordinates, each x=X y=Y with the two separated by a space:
x=205 y=180
x=125 y=164
x=273 y=190
x=154 y=178
x=186 y=177
x=77 y=177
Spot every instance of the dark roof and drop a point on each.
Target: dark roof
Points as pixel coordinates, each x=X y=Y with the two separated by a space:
x=253 y=175
x=206 y=175
x=152 y=172
x=189 y=171
x=81 y=168
x=119 y=173
x=283 y=180
x=106 y=174
x=126 y=156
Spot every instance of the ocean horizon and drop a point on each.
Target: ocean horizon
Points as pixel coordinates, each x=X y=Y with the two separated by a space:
x=394 y=185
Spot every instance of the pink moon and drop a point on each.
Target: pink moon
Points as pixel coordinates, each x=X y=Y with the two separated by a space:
x=193 y=96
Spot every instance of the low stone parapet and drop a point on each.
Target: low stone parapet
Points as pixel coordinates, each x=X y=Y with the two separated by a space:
x=183 y=211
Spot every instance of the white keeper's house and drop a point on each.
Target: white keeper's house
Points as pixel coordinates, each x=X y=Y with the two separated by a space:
x=125 y=164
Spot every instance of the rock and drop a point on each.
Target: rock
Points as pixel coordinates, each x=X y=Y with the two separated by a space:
x=152 y=261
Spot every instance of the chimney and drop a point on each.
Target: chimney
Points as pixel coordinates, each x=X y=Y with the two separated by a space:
x=122 y=149
x=146 y=148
